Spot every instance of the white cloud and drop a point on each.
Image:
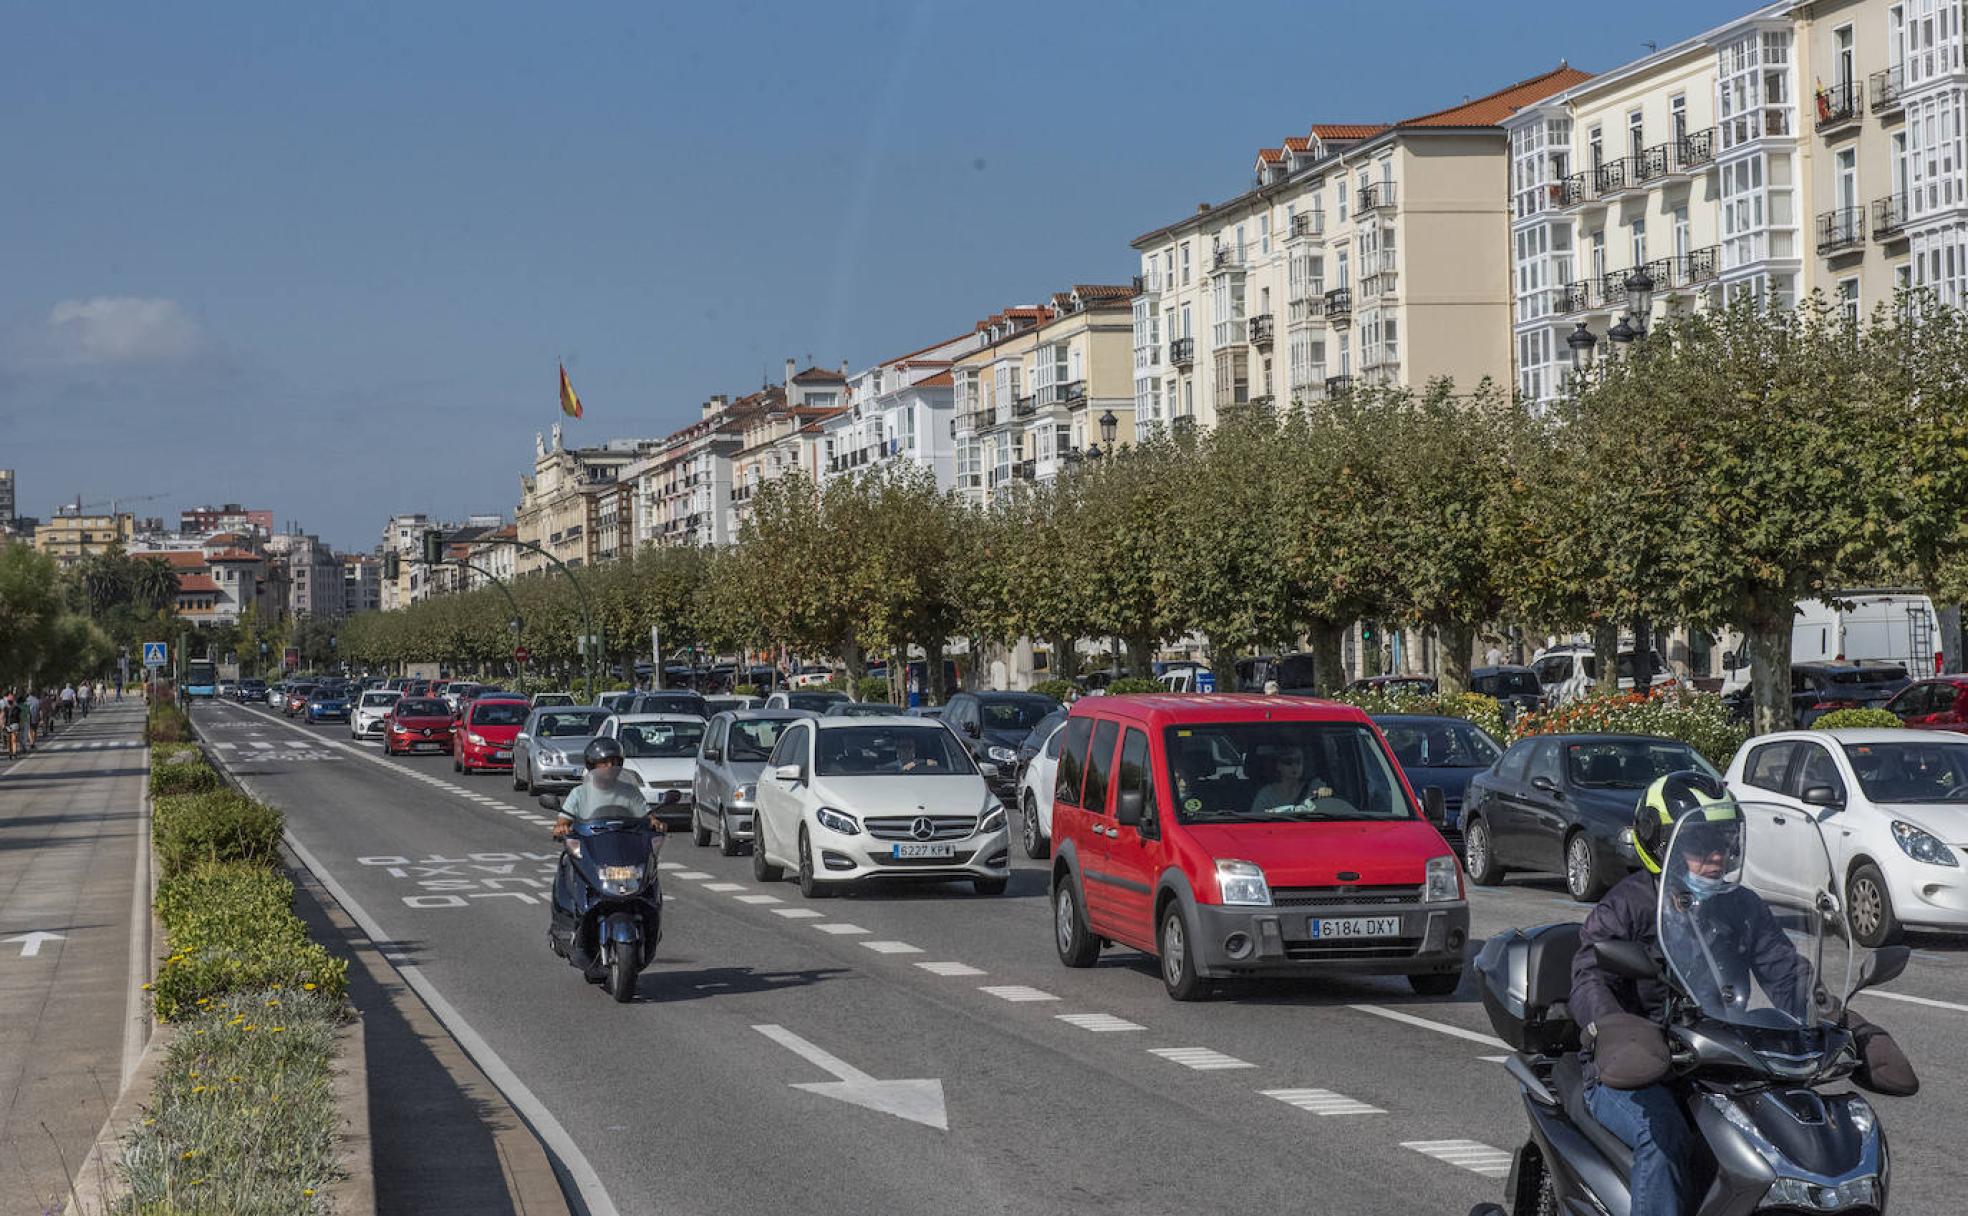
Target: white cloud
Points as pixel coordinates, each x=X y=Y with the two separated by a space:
x=111 y=331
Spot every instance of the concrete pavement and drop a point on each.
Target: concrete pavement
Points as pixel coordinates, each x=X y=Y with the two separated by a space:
x=74 y=923
x=719 y=1089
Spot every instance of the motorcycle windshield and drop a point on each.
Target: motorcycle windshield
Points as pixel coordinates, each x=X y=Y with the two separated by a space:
x=610 y=844
x=1747 y=894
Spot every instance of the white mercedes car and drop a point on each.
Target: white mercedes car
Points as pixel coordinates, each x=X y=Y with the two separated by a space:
x=366 y=718
x=848 y=800
x=1893 y=805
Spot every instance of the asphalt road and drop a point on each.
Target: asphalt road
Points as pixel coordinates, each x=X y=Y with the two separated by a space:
x=1060 y=1090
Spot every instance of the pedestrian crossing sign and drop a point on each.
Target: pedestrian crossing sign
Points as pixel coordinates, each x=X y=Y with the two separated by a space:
x=156 y=655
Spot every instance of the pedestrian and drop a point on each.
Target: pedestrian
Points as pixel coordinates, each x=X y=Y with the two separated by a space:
x=32 y=720
x=83 y=695
x=68 y=702
x=1494 y=657
x=119 y=686
x=10 y=718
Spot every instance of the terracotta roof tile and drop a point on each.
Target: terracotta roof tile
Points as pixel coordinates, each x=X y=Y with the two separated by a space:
x=233 y=555
x=1270 y=156
x=818 y=375
x=177 y=559
x=1298 y=143
x=939 y=380
x=196 y=582
x=1104 y=291
x=1489 y=110
x=1347 y=130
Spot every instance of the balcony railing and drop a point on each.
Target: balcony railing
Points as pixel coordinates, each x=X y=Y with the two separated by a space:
x=1839 y=104
x=1650 y=165
x=1694 y=150
x=1841 y=228
x=1335 y=385
x=1307 y=308
x=1889 y=217
x=1182 y=352
x=1073 y=390
x=1148 y=284
x=1260 y=328
x=1339 y=301
x=1024 y=407
x=1375 y=196
x=1308 y=224
x=1576 y=296
x=1580 y=187
x=1697 y=266
x=1888 y=90
x=1227 y=257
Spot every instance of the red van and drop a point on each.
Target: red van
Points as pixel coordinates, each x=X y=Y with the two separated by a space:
x=1248 y=836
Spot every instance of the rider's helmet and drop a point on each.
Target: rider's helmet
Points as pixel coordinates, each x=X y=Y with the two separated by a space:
x=1665 y=802
x=600 y=752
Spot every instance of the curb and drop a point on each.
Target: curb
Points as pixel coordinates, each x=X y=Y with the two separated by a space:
x=355 y=1194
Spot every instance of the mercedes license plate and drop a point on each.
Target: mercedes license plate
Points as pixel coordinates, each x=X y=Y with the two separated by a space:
x=1341 y=927
x=903 y=852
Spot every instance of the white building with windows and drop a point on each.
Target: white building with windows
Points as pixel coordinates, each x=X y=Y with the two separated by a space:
x=899 y=411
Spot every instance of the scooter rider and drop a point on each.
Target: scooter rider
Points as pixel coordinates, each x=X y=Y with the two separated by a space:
x=604 y=795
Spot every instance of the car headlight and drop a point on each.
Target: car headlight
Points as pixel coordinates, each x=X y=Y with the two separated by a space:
x=552 y=756
x=745 y=793
x=1922 y=845
x=1444 y=883
x=474 y=738
x=993 y=819
x=1242 y=882
x=837 y=821
x=1001 y=755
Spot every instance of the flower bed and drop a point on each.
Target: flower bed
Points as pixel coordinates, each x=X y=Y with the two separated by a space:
x=1486 y=712
x=212 y=826
x=231 y=929
x=167 y=724
x=1699 y=719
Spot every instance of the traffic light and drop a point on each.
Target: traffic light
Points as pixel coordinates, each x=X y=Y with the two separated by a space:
x=1367 y=632
x=392 y=566
x=433 y=546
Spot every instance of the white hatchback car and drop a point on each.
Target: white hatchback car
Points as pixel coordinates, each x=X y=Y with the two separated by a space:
x=1035 y=796
x=660 y=753
x=1893 y=805
x=366 y=718
x=844 y=800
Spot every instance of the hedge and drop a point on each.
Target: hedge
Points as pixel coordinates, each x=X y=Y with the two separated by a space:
x=1059 y=690
x=1486 y=712
x=872 y=688
x=231 y=929
x=167 y=724
x=1699 y=719
x=1127 y=685
x=1854 y=718
x=178 y=769
x=213 y=826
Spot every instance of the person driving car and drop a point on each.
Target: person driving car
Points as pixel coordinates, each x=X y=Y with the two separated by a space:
x=1289 y=785
x=603 y=795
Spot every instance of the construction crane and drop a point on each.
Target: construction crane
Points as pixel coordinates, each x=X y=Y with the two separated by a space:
x=114 y=504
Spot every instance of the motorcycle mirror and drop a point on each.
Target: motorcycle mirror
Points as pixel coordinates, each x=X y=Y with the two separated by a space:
x=1629 y=960
x=550 y=801
x=1883 y=966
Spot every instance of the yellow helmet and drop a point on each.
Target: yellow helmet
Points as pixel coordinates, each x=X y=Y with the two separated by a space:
x=1665 y=802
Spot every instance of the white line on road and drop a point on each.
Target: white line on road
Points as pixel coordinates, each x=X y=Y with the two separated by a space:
x=891 y=947
x=262 y=746
x=695 y=875
x=758 y=899
x=798 y=913
x=724 y=887
x=136 y=1018
x=1017 y=994
x=919 y=1101
x=1472 y=1155
x=1100 y=1023
x=225 y=747
x=1202 y=1059
x=839 y=930
x=947 y=968
x=1408 y=1019
x=669 y=866
x=1928 y=1001
x=1322 y=1101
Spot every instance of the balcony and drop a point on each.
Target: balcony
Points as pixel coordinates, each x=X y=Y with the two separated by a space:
x=1841 y=229
x=1260 y=328
x=1889 y=218
x=1339 y=302
x=1888 y=91
x=1307 y=308
x=1839 y=106
x=1384 y=358
x=1226 y=258
x=1580 y=188
x=1694 y=150
x=1024 y=407
x=1148 y=284
x=1576 y=296
x=1650 y=165
x=1376 y=196
x=1073 y=390
x=1338 y=385
x=1308 y=225
x=1697 y=266
x=1182 y=352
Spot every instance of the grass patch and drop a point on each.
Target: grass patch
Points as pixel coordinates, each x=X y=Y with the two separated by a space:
x=243 y=1119
x=231 y=929
x=214 y=825
x=178 y=768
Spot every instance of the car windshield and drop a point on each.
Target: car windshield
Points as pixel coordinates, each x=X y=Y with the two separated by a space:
x=1015 y=714
x=677 y=703
x=862 y=709
x=1509 y=683
x=370 y=699
x=419 y=707
x=1266 y=771
x=1921 y=771
x=1043 y=730
x=1864 y=675
x=911 y=751
x=1440 y=744
x=553 y=698
x=815 y=701
x=660 y=740
x=571 y=725
x=498 y=713
x=1630 y=764
x=753 y=739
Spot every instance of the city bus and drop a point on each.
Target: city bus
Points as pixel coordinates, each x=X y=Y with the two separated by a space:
x=201 y=678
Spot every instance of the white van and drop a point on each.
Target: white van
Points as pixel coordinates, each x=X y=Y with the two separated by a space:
x=1883 y=625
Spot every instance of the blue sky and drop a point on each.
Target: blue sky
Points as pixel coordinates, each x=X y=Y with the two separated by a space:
x=321 y=259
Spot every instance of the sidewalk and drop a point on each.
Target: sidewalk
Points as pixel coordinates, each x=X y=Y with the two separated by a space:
x=72 y=838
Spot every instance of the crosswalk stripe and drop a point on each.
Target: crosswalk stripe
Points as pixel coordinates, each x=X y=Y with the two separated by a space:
x=1322 y=1101
x=1017 y=994
x=839 y=929
x=1099 y=1023
x=1471 y=1155
x=722 y=887
x=798 y=913
x=760 y=898
x=891 y=947
x=1203 y=1059
x=266 y=747
x=951 y=969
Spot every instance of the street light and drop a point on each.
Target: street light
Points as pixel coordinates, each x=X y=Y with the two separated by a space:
x=1583 y=346
x=1639 y=299
x=1108 y=425
x=1623 y=333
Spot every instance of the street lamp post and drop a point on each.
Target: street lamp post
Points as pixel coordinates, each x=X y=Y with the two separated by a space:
x=1108 y=426
x=1633 y=328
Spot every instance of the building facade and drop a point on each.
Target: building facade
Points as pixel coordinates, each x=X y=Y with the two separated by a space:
x=69 y=536
x=362 y=583
x=561 y=506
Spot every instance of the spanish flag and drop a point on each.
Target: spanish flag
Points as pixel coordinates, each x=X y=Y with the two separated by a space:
x=570 y=404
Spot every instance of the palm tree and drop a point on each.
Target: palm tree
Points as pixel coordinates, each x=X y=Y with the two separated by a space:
x=154 y=585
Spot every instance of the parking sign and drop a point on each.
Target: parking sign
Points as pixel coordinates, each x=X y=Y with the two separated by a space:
x=1205 y=680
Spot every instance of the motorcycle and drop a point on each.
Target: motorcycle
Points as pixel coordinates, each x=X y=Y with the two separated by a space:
x=607 y=898
x=1750 y=1052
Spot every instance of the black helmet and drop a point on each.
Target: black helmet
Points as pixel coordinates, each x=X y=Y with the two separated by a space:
x=602 y=751
x=1665 y=802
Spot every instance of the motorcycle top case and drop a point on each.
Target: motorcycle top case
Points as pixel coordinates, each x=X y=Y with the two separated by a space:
x=1526 y=980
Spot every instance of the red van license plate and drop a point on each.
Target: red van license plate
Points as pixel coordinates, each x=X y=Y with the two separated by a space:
x=1355 y=926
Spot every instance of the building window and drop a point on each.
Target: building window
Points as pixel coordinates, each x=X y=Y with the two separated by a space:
x=1677 y=115
x=1848 y=299
x=1232 y=376
x=1185 y=264
x=1264 y=234
x=1638 y=230
x=1636 y=133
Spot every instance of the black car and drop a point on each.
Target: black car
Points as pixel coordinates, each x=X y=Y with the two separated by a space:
x=1516 y=688
x=252 y=691
x=1294 y=673
x=992 y=725
x=1818 y=688
x=1565 y=803
x=1439 y=752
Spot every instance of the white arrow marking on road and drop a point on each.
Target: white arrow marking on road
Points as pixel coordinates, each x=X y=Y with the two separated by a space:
x=31 y=942
x=919 y=1101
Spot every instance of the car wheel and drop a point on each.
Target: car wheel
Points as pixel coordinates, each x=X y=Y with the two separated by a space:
x=727 y=846
x=810 y=886
x=1440 y=983
x=762 y=869
x=1478 y=858
x=1582 y=881
x=1178 y=961
x=1077 y=947
x=990 y=886
x=1871 y=908
x=518 y=783
x=1037 y=847
x=699 y=834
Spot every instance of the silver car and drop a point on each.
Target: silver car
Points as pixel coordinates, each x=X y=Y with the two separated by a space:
x=729 y=762
x=547 y=751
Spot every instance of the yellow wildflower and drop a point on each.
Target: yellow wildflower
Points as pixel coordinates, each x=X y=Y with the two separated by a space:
x=309 y=986
x=188 y=1154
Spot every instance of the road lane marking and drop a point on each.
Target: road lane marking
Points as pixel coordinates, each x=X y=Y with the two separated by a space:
x=798 y=913
x=1100 y=1023
x=1017 y=994
x=225 y=747
x=695 y=875
x=669 y=867
x=262 y=746
x=838 y=929
x=1322 y=1101
x=891 y=947
x=1928 y=1001
x=919 y=1101
x=1472 y=1155
x=758 y=899
x=723 y=887
x=948 y=968
x=1202 y=1059
x=1408 y=1019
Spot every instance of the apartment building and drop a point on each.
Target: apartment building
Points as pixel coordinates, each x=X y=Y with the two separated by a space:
x=782 y=433
x=362 y=584
x=681 y=492
x=899 y=411
x=6 y=499
x=203 y=521
x=988 y=391
x=70 y=535
x=314 y=574
x=562 y=506
x=493 y=555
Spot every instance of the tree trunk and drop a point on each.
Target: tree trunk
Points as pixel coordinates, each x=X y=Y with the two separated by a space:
x=935 y=689
x=1456 y=639
x=1605 y=652
x=1222 y=664
x=1065 y=658
x=1325 y=639
x=1141 y=657
x=856 y=662
x=1769 y=673
x=1949 y=636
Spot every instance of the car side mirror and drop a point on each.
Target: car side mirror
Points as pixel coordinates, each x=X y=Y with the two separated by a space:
x=1629 y=960
x=1823 y=796
x=986 y=769
x=1883 y=966
x=1128 y=808
x=789 y=773
x=550 y=801
x=1732 y=662
x=713 y=753
x=1545 y=784
x=1435 y=806
x=971 y=729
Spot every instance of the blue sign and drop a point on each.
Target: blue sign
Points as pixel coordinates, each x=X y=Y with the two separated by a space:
x=1205 y=680
x=156 y=654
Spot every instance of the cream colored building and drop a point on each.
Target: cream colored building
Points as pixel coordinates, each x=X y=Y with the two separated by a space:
x=988 y=386
x=70 y=536
x=572 y=505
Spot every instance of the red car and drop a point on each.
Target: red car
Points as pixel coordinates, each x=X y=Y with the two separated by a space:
x=1236 y=837
x=483 y=738
x=1940 y=704
x=417 y=724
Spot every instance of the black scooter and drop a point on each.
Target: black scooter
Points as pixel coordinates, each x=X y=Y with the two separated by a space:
x=607 y=900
